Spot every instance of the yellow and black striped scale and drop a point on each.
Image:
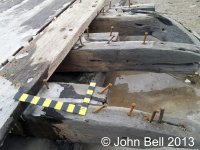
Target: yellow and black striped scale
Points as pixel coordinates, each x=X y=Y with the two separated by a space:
x=80 y=109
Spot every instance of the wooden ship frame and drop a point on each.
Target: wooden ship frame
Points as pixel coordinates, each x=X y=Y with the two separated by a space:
x=97 y=37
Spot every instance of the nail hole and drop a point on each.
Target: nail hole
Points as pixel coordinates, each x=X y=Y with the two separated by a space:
x=138 y=24
x=62 y=29
x=182 y=49
x=65 y=37
x=163 y=29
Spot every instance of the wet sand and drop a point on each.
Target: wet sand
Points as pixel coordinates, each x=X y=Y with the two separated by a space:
x=151 y=91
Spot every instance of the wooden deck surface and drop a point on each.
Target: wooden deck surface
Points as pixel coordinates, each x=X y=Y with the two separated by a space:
x=39 y=59
x=20 y=20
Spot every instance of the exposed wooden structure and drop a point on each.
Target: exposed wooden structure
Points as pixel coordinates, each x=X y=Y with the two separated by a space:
x=39 y=59
x=32 y=18
x=43 y=55
x=111 y=122
x=158 y=26
x=101 y=36
x=137 y=7
x=133 y=55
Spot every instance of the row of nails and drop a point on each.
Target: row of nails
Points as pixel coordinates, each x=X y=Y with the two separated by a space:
x=112 y=36
x=133 y=105
x=149 y=118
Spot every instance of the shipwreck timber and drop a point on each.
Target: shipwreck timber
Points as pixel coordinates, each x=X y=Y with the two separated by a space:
x=62 y=42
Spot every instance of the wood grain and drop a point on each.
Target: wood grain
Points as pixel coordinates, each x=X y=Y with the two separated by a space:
x=160 y=27
x=111 y=122
x=133 y=55
x=42 y=56
x=22 y=20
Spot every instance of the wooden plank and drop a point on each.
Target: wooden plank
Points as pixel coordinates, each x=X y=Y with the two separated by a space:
x=135 y=8
x=111 y=122
x=137 y=38
x=15 y=142
x=116 y=3
x=21 y=20
x=39 y=60
x=133 y=55
x=101 y=36
x=160 y=27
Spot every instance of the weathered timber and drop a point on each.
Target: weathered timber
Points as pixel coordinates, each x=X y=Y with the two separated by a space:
x=134 y=8
x=111 y=122
x=101 y=36
x=137 y=38
x=70 y=92
x=116 y=3
x=21 y=20
x=160 y=27
x=133 y=55
x=100 y=78
x=41 y=57
x=16 y=142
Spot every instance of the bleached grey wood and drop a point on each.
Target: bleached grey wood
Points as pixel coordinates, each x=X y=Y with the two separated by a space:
x=22 y=20
x=42 y=56
x=101 y=36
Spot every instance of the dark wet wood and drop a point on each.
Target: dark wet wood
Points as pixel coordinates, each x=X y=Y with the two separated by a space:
x=111 y=122
x=130 y=55
x=138 y=23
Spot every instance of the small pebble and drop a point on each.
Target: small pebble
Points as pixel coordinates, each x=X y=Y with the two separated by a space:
x=187 y=81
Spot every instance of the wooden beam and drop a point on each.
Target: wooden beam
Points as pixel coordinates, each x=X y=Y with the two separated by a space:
x=101 y=36
x=130 y=55
x=116 y=3
x=160 y=27
x=40 y=59
x=111 y=122
x=18 y=30
x=137 y=7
